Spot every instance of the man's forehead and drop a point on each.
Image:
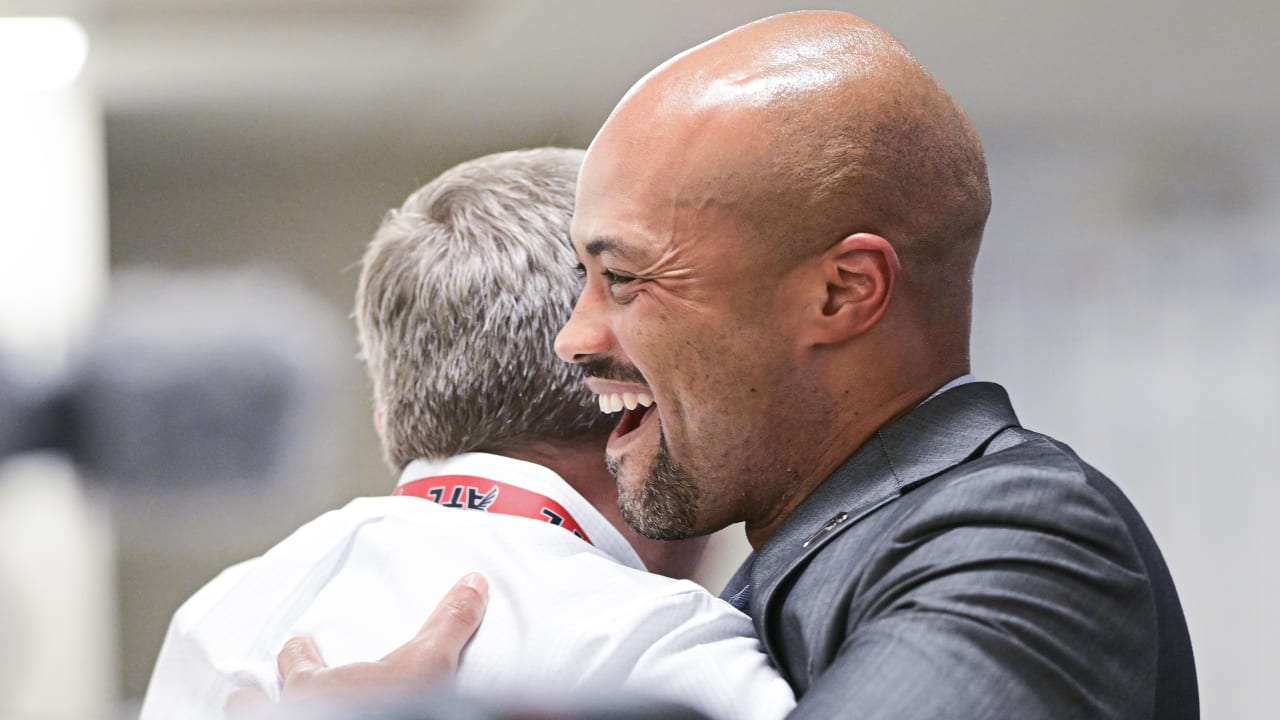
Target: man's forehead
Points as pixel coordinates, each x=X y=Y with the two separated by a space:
x=614 y=212
x=592 y=243
x=640 y=197
x=642 y=225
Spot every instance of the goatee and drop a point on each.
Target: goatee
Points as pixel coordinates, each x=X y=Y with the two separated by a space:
x=665 y=506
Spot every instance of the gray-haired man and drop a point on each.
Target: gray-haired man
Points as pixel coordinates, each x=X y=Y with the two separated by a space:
x=462 y=293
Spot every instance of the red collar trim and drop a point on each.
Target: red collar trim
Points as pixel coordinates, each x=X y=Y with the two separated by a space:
x=476 y=493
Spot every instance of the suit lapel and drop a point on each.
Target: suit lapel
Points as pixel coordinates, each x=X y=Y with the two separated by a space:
x=929 y=440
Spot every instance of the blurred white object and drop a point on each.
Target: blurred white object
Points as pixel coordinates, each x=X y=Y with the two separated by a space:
x=56 y=571
x=41 y=53
x=56 y=578
x=53 y=244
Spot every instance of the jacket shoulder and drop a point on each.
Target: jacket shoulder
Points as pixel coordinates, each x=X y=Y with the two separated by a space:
x=1013 y=562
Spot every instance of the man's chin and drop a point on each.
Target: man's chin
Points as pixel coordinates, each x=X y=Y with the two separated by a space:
x=650 y=521
x=660 y=501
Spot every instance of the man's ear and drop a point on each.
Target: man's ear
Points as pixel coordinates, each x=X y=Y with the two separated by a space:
x=377 y=421
x=860 y=273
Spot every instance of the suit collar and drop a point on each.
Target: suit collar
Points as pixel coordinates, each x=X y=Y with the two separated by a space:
x=934 y=437
x=943 y=432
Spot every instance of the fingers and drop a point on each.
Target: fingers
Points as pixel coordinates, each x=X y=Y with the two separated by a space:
x=433 y=653
x=298 y=661
x=459 y=612
x=305 y=675
x=429 y=656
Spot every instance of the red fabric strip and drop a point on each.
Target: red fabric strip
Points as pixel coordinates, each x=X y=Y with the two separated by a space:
x=476 y=493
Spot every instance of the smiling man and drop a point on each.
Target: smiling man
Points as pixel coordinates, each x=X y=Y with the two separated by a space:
x=778 y=231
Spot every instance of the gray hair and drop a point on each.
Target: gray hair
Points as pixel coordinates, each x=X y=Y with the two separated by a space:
x=462 y=292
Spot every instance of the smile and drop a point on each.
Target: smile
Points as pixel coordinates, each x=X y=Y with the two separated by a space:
x=635 y=408
x=613 y=402
x=634 y=400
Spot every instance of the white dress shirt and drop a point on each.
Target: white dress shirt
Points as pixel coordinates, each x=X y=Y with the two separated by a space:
x=564 y=614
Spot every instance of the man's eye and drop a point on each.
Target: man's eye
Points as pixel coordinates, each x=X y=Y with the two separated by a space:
x=614 y=278
x=580 y=270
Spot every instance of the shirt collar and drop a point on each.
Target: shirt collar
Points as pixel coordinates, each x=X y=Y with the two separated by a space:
x=534 y=478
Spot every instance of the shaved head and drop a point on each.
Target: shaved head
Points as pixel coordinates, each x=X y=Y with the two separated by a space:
x=806 y=127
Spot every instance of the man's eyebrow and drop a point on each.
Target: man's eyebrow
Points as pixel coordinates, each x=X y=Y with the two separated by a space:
x=607 y=244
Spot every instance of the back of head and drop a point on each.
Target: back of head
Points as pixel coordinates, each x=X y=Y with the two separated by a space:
x=882 y=148
x=461 y=294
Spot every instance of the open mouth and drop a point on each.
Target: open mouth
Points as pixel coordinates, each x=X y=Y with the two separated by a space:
x=635 y=407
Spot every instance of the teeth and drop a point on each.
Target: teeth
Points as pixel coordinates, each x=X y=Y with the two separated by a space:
x=615 y=402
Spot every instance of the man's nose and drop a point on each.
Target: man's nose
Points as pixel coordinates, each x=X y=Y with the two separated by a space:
x=584 y=334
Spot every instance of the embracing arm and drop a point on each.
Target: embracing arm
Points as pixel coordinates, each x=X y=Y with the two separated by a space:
x=664 y=645
x=430 y=657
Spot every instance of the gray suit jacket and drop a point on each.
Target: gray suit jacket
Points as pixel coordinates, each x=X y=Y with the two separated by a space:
x=960 y=566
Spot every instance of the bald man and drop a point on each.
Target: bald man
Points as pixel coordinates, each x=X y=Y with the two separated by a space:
x=778 y=230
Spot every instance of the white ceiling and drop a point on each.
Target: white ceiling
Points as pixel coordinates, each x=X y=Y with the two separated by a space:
x=221 y=86
x=467 y=64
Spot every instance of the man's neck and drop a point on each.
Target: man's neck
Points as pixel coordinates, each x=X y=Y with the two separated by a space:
x=850 y=429
x=581 y=465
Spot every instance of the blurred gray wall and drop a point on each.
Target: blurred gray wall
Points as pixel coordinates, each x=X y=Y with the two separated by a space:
x=1127 y=293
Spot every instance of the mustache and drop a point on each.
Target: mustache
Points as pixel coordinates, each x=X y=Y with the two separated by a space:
x=607 y=369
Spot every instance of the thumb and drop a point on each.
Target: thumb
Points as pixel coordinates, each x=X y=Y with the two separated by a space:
x=435 y=649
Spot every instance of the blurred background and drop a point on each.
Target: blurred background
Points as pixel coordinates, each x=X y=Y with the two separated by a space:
x=1127 y=294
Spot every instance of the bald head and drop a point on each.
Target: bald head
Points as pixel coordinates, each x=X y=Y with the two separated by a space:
x=803 y=128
